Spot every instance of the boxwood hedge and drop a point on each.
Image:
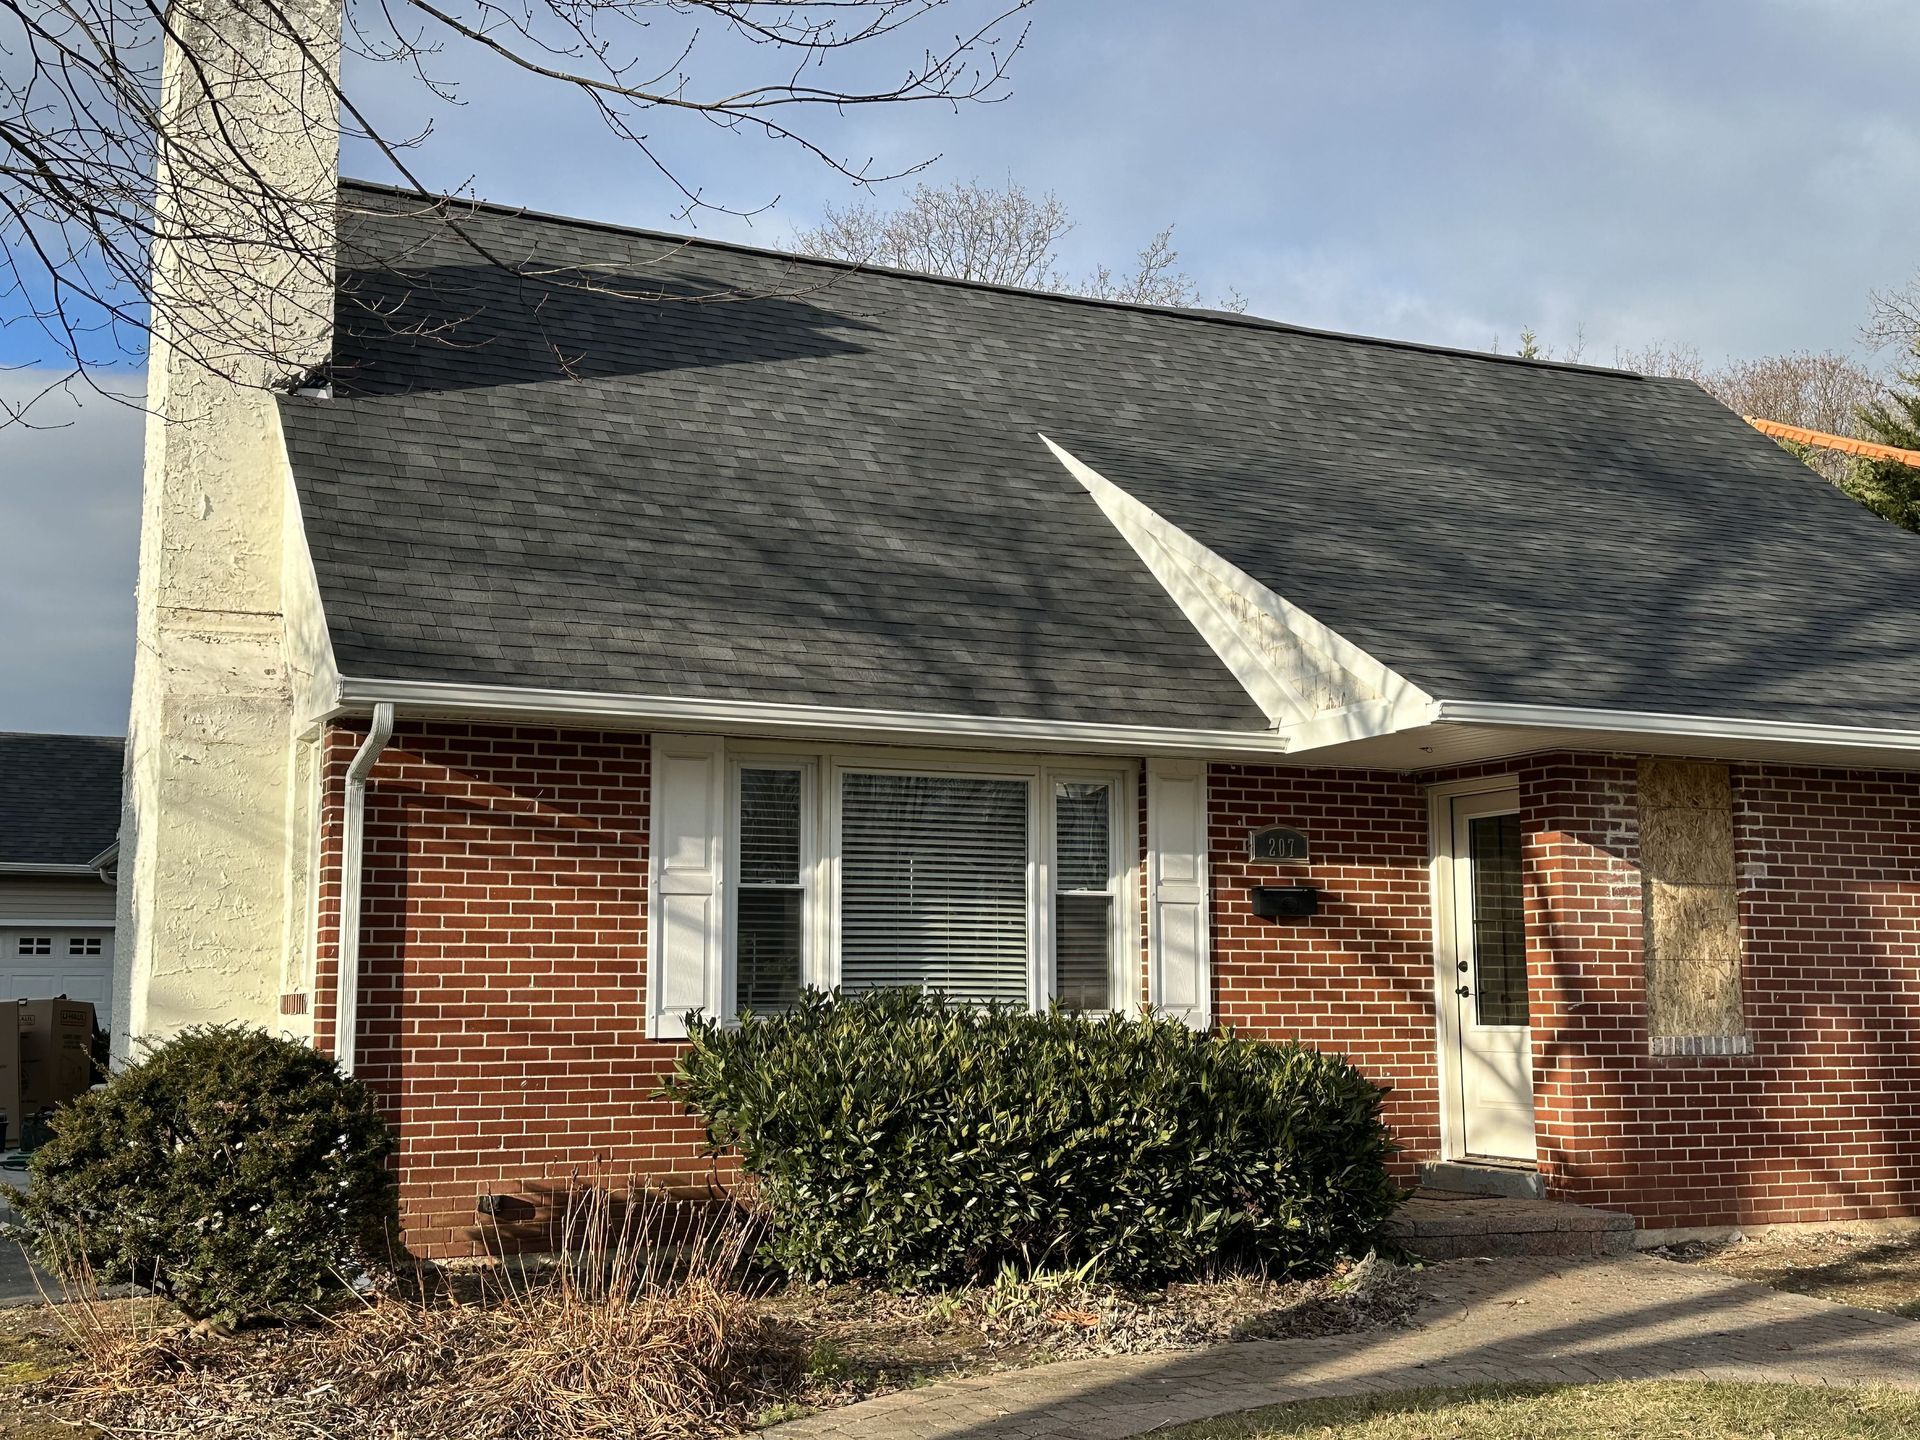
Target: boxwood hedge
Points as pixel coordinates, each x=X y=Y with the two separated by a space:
x=240 y=1174
x=904 y=1138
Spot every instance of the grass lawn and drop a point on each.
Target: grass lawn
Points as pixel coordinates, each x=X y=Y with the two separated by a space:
x=1639 y=1411
x=1875 y=1272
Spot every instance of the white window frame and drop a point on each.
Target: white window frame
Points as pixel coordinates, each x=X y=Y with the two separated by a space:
x=822 y=771
x=809 y=871
x=1122 y=873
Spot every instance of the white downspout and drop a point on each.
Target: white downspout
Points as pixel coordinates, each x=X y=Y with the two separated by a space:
x=346 y=1005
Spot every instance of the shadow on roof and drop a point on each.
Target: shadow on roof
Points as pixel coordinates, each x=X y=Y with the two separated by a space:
x=462 y=327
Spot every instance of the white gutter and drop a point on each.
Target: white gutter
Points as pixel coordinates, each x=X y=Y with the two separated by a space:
x=106 y=864
x=35 y=867
x=346 y=1007
x=751 y=716
x=1694 y=727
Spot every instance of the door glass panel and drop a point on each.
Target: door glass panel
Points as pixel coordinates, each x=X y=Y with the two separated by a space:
x=1499 y=927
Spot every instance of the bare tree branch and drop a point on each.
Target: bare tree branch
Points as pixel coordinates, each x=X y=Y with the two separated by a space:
x=1003 y=236
x=112 y=154
x=1814 y=389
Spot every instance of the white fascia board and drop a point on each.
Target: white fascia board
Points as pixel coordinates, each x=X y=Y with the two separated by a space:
x=1693 y=727
x=1403 y=704
x=1366 y=720
x=753 y=717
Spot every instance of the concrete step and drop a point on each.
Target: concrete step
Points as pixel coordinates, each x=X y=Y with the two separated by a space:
x=1450 y=1226
x=1467 y=1177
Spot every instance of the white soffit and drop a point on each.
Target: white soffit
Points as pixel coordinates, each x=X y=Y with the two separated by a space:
x=1314 y=685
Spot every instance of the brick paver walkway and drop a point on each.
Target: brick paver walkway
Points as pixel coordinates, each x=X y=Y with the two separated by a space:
x=1508 y=1320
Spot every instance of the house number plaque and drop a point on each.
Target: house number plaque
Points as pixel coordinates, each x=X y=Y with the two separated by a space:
x=1278 y=843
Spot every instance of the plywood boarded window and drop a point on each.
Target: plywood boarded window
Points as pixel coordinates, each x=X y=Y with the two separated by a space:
x=1692 y=917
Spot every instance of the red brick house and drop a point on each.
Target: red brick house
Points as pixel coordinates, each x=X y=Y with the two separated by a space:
x=1540 y=736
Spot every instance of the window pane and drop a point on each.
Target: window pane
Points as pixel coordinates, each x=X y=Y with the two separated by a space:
x=933 y=885
x=1499 y=927
x=1081 y=950
x=769 y=827
x=1081 y=817
x=767 y=949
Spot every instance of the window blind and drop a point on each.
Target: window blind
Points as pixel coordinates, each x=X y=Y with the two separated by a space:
x=1083 y=900
x=933 y=885
x=769 y=899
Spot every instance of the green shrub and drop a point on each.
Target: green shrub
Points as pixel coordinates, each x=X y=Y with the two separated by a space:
x=238 y=1174
x=907 y=1139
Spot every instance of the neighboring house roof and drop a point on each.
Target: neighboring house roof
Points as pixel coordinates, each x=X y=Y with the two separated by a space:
x=1827 y=440
x=834 y=491
x=59 y=798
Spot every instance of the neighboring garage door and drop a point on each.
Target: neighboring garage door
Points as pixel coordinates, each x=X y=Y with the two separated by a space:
x=40 y=962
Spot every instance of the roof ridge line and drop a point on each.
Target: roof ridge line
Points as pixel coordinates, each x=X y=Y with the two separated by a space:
x=59 y=735
x=1182 y=312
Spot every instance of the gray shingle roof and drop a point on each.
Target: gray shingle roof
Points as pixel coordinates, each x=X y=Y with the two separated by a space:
x=59 y=797
x=831 y=491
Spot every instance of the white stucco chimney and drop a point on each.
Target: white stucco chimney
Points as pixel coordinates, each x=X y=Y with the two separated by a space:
x=213 y=843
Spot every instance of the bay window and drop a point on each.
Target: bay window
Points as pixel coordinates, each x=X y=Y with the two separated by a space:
x=987 y=882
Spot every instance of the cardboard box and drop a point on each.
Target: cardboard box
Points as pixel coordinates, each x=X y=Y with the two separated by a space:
x=10 y=1072
x=56 y=1051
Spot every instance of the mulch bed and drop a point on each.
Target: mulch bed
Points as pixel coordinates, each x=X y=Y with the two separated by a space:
x=533 y=1363
x=1873 y=1270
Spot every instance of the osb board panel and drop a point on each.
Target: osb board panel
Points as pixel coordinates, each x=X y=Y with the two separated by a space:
x=1684 y=785
x=1687 y=847
x=1694 y=997
x=1692 y=922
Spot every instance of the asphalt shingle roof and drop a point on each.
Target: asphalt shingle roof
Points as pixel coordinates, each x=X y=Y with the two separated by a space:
x=59 y=797
x=832 y=491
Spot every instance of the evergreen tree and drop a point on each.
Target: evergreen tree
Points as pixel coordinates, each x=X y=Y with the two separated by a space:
x=1887 y=487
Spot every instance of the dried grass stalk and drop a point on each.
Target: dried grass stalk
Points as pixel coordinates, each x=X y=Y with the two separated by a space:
x=638 y=1328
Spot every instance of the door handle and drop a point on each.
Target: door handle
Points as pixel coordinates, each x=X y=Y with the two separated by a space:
x=1463 y=992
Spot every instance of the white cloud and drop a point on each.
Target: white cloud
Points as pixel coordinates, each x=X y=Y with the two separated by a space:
x=69 y=533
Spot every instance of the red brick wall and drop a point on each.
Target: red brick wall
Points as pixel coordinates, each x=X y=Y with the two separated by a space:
x=503 y=981
x=504 y=948
x=1586 y=996
x=1358 y=976
x=1830 y=867
x=1818 y=1124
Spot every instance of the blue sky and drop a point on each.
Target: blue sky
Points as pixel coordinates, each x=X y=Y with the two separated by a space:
x=1732 y=174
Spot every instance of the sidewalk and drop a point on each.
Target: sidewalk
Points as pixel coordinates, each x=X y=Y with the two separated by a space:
x=1568 y=1322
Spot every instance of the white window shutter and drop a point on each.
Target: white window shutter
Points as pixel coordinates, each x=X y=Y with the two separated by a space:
x=1179 y=968
x=684 y=956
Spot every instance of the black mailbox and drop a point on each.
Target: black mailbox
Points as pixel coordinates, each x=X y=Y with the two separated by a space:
x=1285 y=902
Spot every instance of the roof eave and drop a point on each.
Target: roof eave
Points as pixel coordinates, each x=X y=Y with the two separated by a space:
x=696 y=714
x=1457 y=732
x=1796 y=733
x=52 y=870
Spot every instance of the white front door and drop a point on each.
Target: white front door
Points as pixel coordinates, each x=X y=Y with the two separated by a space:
x=1486 y=1042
